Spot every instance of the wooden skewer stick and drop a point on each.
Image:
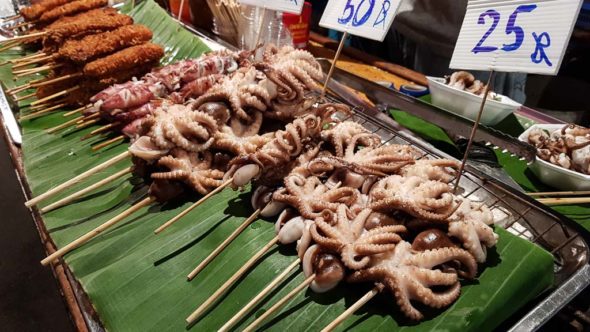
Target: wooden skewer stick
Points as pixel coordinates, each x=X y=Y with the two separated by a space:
x=42 y=112
x=333 y=66
x=28 y=57
x=8 y=46
x=23 y=73
x=564 y=200
x=19 y=88
x=32 y=62
x=86 y=123
x=64 y=125
x=78 y=110
x=353 y=308
x=180 y=9
x=55 y=80
x=27 y=36
x=55 y=95
x=77 y=179
x=76 y=195
x=107 y=143
x=190 y=208
x=474 y=129
x=30 y=95
x=280 y=278
x=11 y=18
x=19 y=25
x=227 y=285
x=25 y=86
x=93 y=233
x=279 y=304
x=89 y=117
x=104 y=128
x=223 y=245
x=560 y=193
x=44 y=105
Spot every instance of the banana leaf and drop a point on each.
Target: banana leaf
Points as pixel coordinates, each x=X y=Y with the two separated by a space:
x=136 y=280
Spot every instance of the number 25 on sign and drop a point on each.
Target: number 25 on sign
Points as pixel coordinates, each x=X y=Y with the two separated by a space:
x=515 y=36
x=365 y=18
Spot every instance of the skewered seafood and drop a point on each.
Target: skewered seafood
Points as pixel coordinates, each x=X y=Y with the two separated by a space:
x=411 y=276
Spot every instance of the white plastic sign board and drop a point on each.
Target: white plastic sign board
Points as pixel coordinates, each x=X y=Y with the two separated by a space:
x=364 y=18
x=515 y=36
x=287 y=6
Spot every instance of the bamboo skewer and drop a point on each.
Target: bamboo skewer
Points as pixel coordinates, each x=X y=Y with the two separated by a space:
x=223 y=245
x=87 y=123
x=55 y=80
x=102 y=129
x=44 y=105
x=25 y=86
x=227 y=285
x=78 y=110
x=353 y=308
x=27 y=58
x=23 y=73
x=190 y=208
x=64 y=125
x=76 y=195
x=42 y=112
x=564 y=200
x=18 y=89
x=32 y=62
x=107 y=143
x=561 y=193
x=77 y=179
x=24 y=37
x=93 y=233
x=11 y=18
x=280 y=278
x=21 y=98
x=280 y=303
x=8 y=46
x=89 y=117
x=19 y=25
x=55 y=95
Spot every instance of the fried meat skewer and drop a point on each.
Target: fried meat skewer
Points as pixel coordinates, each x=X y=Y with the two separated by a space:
x=33 y=12
x=70 y=8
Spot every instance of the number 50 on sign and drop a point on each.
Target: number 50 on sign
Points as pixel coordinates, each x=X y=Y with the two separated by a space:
x=515 y=36
x=365 y=18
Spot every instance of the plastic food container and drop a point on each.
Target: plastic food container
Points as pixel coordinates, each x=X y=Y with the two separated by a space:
x=467 y=104
x=553 y=175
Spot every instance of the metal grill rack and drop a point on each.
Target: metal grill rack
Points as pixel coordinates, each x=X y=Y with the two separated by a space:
x=514 y=211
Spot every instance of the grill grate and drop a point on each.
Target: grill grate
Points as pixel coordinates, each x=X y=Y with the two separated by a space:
x=518 y=214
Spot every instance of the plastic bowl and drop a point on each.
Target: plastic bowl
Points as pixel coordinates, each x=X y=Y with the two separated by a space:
x=553 y=175
x=467 y=104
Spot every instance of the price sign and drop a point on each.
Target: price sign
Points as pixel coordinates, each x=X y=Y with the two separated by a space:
x=287 y=6
x=365 y=18
x=515 y=36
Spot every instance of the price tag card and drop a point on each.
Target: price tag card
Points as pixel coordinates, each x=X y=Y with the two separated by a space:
x=287 y=6
x=515 y=36
x=364 y=18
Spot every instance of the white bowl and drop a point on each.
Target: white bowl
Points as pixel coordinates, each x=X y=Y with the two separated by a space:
x=467 y=104
x=554 y=175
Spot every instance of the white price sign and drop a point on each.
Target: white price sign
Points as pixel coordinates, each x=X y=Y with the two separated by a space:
x=287 y=6
x=365 y=18
x=515 y=36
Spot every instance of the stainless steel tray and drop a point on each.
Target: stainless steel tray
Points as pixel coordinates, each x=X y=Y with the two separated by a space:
x=520 y=215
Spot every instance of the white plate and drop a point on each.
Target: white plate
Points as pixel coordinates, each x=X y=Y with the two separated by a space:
x=467 y=104
x=554 y=175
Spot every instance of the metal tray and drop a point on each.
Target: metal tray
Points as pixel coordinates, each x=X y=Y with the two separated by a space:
x=521 y=215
